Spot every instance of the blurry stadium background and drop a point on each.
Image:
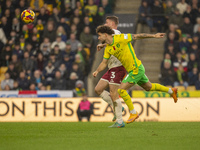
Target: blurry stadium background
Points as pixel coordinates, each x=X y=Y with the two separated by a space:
x=46 y=66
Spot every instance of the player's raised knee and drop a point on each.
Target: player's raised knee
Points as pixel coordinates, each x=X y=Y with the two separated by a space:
x=97 y=90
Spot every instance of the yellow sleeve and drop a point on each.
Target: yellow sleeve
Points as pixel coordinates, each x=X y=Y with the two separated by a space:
x=123 y=38
x=106 y=54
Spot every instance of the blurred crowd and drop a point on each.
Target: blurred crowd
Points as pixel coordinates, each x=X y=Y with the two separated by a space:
x=56 y=50
x=180 y=19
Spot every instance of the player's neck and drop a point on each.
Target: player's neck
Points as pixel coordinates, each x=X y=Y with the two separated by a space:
x=109 y=40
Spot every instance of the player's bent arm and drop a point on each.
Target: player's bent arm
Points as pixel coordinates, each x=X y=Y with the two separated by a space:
x=145 y=35
x=101 y=46
x=101 y=67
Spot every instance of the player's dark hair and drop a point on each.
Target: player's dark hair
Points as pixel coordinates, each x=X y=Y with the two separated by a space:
x=104 y=29
x=114 y=19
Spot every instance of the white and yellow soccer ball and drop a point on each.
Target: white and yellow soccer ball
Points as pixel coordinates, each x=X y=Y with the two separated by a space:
x=27 y=16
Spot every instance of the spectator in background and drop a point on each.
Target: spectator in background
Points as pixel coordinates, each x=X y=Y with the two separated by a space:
x=181 y=77
x=74 y=43
x=107 y=7
x=61 y=32
x=144 y=14
x=43 y=16
x=22 y=5
x=40 y=62
x=12 y=71
x=172 y=41
x=16 y=86
x=184 y=54
x=54 y=61
x=74 y=30
x=8 y=15
x=193 y=76
x=32 y=87
x=80 y=63
x=70 y=84
x=195 y=10
x=77 y=70
x=6 y=55
x=176 y=19
x=158 y=15
x=171 y=51
x=23 y=81
x=17 y=50
x=6 y=27
x=50 y=32
x=79 y=89
x=194 y=49
x=63 y=71
x=90 y=24
x=99 y=18
x=28 y=63
x=197 y=84
x=192 y=62
x=68 y=51
x=197 y=25
x=16 y=25
x=83 y=54
x=7 y=82
x=181 y=6
x=40 y=27
x=91 y=7
x=32 y=52
x=13 y=38
x=58 y=83
x=2 y=39
x=167 y=57
x=38 y=80
x=36 y=5
x=57 y=52
x=184 y=42
x=67 y=11
x=67 y=62
x=56 y=15
x=188 y=14
x=180 y=61
x=65 y=25
x=48 y=73
x=86 y=37
x=187 y=27
x=195 y=40
x=172 y=29
x=85 y=109
x=47 y=44
x=35 y=43
x=167 y=73
x=61 y=44
x=169 y=10
x=17 y=63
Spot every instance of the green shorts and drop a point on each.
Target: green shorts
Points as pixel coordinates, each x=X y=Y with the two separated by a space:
x=139 y=78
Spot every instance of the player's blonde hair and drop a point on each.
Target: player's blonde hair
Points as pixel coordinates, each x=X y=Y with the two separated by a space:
x=114 y=19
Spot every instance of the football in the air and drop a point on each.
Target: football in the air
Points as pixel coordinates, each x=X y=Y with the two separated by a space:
x=27 y=16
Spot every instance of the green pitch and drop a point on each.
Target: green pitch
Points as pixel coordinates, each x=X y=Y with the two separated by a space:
x=97 y=136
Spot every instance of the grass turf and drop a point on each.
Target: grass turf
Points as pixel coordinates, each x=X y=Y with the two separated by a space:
x=97 y=136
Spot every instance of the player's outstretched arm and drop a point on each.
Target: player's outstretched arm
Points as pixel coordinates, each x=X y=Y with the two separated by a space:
x=101 y=67
x=145 y=35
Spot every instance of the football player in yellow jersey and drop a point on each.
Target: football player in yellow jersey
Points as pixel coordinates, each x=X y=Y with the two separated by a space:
x=120 y=46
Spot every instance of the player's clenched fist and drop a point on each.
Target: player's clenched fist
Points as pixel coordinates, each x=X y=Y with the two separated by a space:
x=100 y=46
x=95 y=73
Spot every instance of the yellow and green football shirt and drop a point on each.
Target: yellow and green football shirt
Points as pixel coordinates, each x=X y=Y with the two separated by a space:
x=122 y=49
